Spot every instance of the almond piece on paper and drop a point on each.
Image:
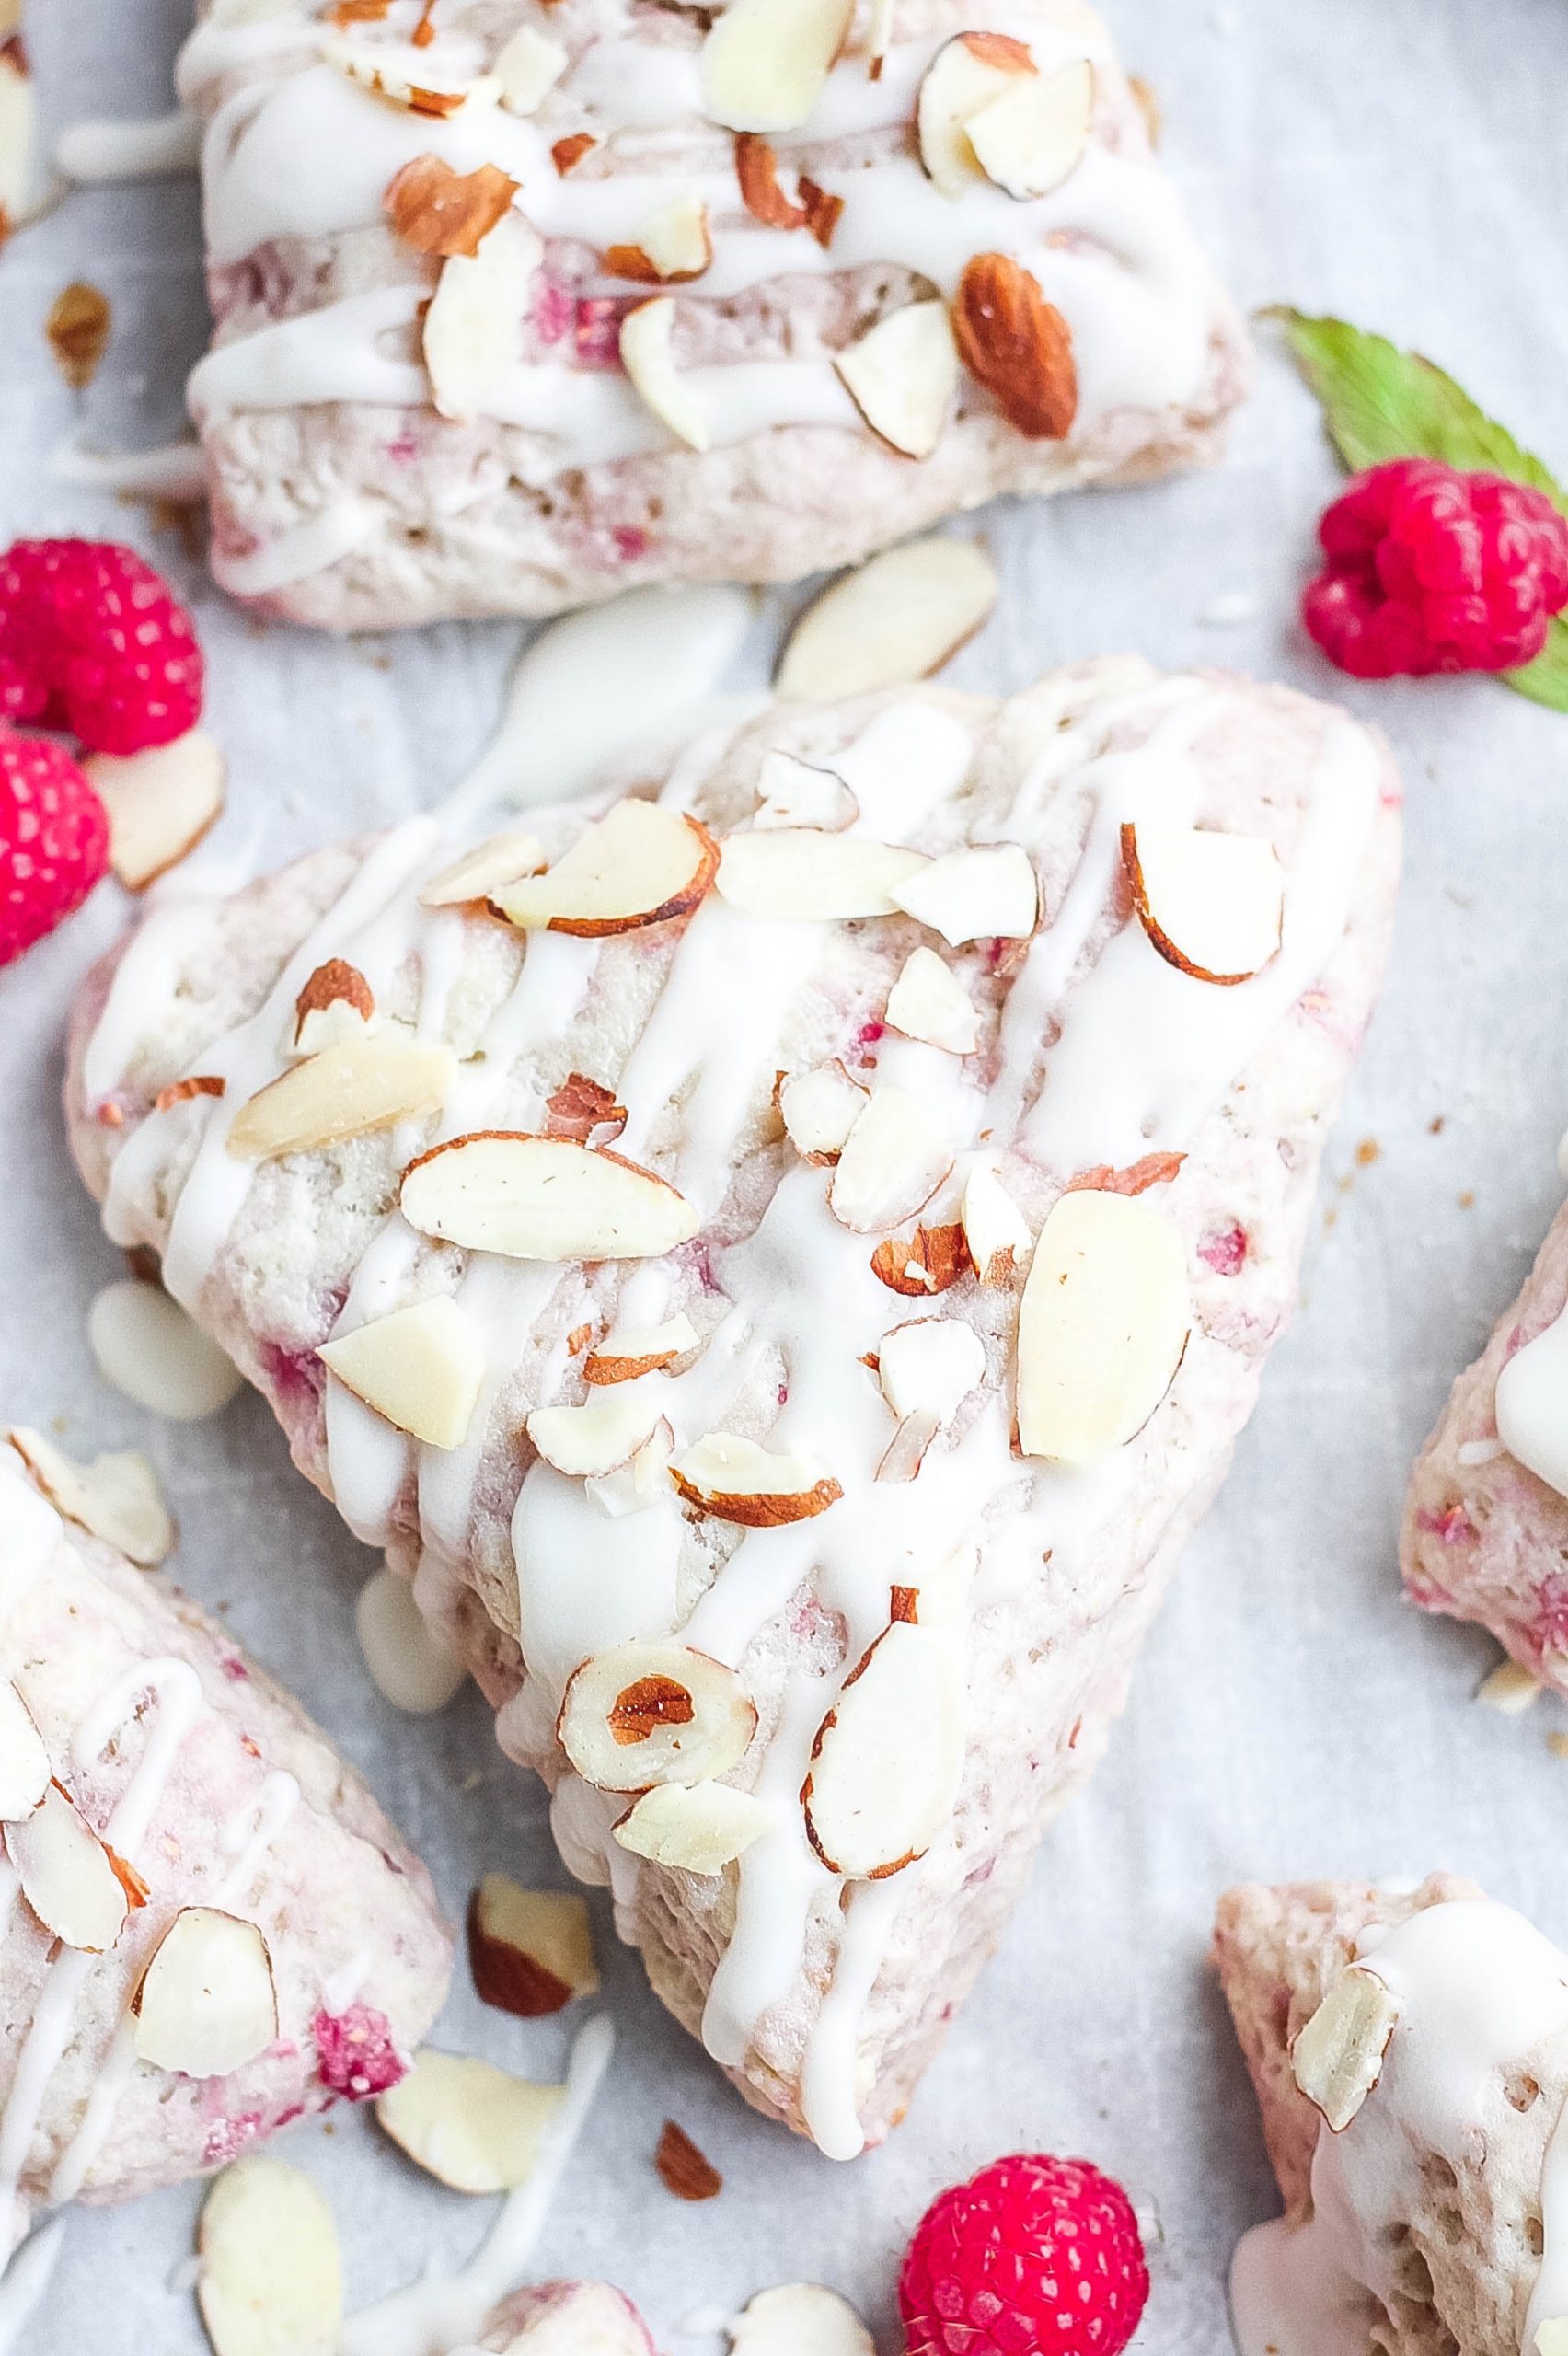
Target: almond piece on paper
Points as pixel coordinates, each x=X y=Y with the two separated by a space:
x=800 y=2319
x=1212 y=903
x=117 y=1497
x=270 y=2280
x=543 y=1198
x=421 y=1367
x=476 y=2128
x=160 y=803
x=1103 y=1326
x=531 y=1951
x=890 y=622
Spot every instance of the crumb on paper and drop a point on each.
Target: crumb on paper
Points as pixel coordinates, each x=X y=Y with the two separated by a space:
x=1467 y=1200
x=683 y=2169
x=1367 y=1153
x=77 y=327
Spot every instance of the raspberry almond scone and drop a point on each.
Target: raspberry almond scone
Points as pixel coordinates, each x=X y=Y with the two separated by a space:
x=210 y=1929
x=780 y=1260
x=567 y=2319
x=519 y=306
x=1408 y=2048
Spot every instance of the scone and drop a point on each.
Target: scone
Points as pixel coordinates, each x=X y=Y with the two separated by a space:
x=567 y=2319
x=1410 y=2052
x=519 y=304
x=210 y=1929
x=790 y=1284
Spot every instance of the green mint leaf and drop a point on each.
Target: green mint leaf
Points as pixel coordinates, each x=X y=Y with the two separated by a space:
x=1546 y=679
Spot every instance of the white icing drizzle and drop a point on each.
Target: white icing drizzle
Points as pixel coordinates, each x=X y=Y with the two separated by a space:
x=26 y=2280
x=251 y=1832
x=155 y=149
x=177 y=471
x=1532 y=1405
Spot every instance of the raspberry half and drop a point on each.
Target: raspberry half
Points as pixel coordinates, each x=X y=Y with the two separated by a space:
x=53 y=839
x=93 y=640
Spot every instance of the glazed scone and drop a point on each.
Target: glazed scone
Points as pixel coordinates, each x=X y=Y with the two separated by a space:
x=791 y=397
x=567 y=2319
x=824 y=1238
x=1410 y=2052
x=210 y=1927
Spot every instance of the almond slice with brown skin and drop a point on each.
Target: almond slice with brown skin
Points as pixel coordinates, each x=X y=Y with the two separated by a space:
x=336 y=1003
x=1034 y=135
x=1103 y=1326
x=270 y=2281
x=930 y=1002
x=639 y=864
x=993 y=1227
x=438 y=210
x=473 y=327
x=819 y=1109
x=738 y=1480
x=1212 y=903
x=807 y=875
x=67 y=1876
x=360 y=1085
x=589 y=1440
x=377 y=70
x=528 y=68
x=800 y=2319
x=160 y=803
x=696 y=1829
x=683 y=2169
x=25 y=1773
x=1336 y=2058
x=766 y=63
x=654 y=1712
x=579 y=1108
x=901 y=376
x=543 y=1198
x=186 y=1091
x=756 y=168
x=116 y=1496
x=633 y=1351
x=476 y=2128
x=888 y=1758
x=930 y=1260
x=673 y=245
x=474 y=877
x=646 y=351
x=1018 y=345
x=894 y=1160
x=987 y=892
x=420 y=1368
x=968 y=73
x=793 y=792
x=207 y=2004
x=531 y=1951
x=892 y=621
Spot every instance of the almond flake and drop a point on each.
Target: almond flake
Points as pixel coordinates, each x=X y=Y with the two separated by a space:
x=117 y=1497
x=1033 y=136
x=756 y=168
x=673 y=245
x=336 y=1003
x=968 y=73
x=421 y=1367
x=632 y=1488
x=647 y=1714
x=1510 y=1690
x=531 y=1951
x=476 y=2128
x=1102 y=1326
x=985 y=893
x=793 y=792
x=737 y=1480
x=77 y=329
x=528 y=68
x=591 y=1439
x=819 y=1109
x=929 y=1367
x=270 y=2281
x=640 y=864
x=1150 y=1169
x=993 y=1227
x=1212 y=903
x=889 y=623
x=67 y=1876
x=683 y=2169
x=474 y=877
x=901 y=376
x=888 y=1758
x=473 y=327
x=931 y=1261
x=766 y=63
x=579 y=1107
x=800 y=2319
x=543 y=1198
x=438 y=210
x=207 y=2004
x=895 y=1159
x=807 y=875
x=186 y=1091
x=633 y=1351
x=160 y=803
x=647 y=337
x=18 y=136
x=930 y=1002
x=345 y=1092
x=567 y=154
x=1337 y=2058
x=25 y=1773
x=384 y=72
x=1018 y=345
x=695 y=1828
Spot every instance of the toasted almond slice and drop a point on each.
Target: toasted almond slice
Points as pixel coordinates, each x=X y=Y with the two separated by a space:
x=207 y=2004
x=567 y=154
x=589 y=1440
x=1033 y=136
x=639 y=864
x=967 y=74
x=270 y=2280
x=473 y=328
x=930 y=1002
x=387 y=73
x=804 y=874
x=673 y=245
x=647 y=1714
x=888 y=1758
x=647 y=353
x=160 y=803
x=1336 y=2058
x=756 y=169
x=901 y=376
x=1510 y=1690
x=906 y=1451
x=800 y=2319
x=766 y=63
x=25 y=1773
x=993 y=1227
x=421 y=1367
x=930 y=1260
x=1018 y=345
x=117 y=1497
x=1212 y=903
x=336 y=1003
x=737 y=1480
x=543 y=1198
x=632 y=1488
x=440 y=211
x=895 y=621
x=987 y=892
x=360 y=1084
x=531 y=1951
x=528 y=68
x=633 y=1351
x=699 y=1829
x=1103 y=1326
x=476 y=2128
x=819 y=1109
x=186 y=1091
x=579 y=1107
x=477 y=875
x=793 y=792
x=19 y=133
x=67 y=1876
x=895 y=1159
x=929 y=1367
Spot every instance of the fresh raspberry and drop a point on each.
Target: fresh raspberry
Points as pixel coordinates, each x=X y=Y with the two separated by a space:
x=92 y=640
x=53 y=839
x=1432 y=569
x=356 y=2055
x=1033 y=2257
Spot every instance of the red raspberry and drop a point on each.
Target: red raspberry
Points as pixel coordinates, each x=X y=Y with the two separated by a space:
x=1033 y=2257
x=1432 y=569
x=92 y=640
x=53 y=839
x=355 y=2052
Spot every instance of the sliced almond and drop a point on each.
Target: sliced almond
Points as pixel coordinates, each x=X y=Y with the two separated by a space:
x=929 y=1367
x=819 y=1109
x=756 y=169
x=1018 y=345
x=697 y=1828
x=422 y=1368
x=1212 y=903
x=968 y=73
x=993 y=1227
x=809 y=875
x=1033 y=136
x=673 y=245
x=117 y=1497
x=632 y=1351
x=160 y=803
x=800 y=2319
x=1148 y=1170
x=1510 y=1690
x=1103 y=1326
x=186 y=1091
x=930 y=1260
x=567 y=154
x=473 y=327
x=906 y=1451
x=528 y=68
x=901 y=376
x=737 y=1480
x=336 y=1003
x=647 y=351
x=346 y=1091
x=632 y=1488
x=207 y=2004
x=683 y=2168
x=579 y=1108
x=67 y=1876
x=78 y=324
x=639 y=864
x=438 y=210
x=1337 y=2058
x=479 y=873
x=25 y=1773
x=543 y=1198
x=531 y=1951
x=985 y=893
x=766 y=63
x=647 y=1714
x=591 y=1439
x=476 y=2128
x=270 y=2281
x=930 y=1002
x=793 y=792
x=385 y=72
x=894 y=620
x=895 y=1159
x=888 y=1758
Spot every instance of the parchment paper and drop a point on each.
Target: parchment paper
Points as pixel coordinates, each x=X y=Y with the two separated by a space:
x=1403 y=162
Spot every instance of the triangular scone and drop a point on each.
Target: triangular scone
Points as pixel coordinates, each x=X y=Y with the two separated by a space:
x=1485 y=1534
x=1410 y=2052
x=567 y=2319
x=210 y=1929
x=449 y=376
x=839 y=1218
